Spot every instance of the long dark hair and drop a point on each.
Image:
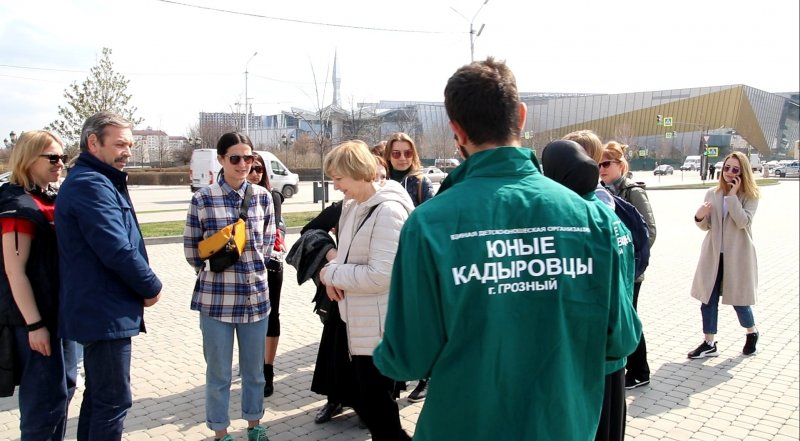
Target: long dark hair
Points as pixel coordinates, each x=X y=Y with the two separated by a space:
x=264 y=182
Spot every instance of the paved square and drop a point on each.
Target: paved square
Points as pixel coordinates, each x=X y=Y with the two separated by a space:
x=730 y=397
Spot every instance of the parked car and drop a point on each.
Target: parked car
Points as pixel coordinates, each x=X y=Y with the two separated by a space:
x=664 y=170
x=791 y=170
x=434 y=174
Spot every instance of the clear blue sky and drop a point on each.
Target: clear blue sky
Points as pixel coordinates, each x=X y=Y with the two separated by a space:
x=181 y=59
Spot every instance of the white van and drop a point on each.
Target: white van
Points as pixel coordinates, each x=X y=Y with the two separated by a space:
x=691 y=163
x=205 y=168
x=280 y=177
x=755 y=162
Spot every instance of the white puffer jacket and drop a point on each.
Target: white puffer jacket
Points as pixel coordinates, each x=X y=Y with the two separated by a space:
x=366 y=275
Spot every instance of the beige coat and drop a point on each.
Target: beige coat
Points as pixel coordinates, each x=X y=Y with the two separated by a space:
x=366 y=275
x=740 y=266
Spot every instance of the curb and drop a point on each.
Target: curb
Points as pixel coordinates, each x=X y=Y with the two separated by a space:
x=179 y=239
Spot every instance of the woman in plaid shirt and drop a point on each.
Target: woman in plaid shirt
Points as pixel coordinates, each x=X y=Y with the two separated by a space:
x=236 y=299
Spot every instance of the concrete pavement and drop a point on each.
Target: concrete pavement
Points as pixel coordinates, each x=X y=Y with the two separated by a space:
x=729 y=397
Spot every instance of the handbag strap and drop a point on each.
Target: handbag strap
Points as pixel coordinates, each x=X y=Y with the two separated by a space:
x=369 y=213
x=248 y=194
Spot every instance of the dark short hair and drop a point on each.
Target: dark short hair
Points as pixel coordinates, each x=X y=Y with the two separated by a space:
x=96 y=124
x=230 y=139
x=482 y=98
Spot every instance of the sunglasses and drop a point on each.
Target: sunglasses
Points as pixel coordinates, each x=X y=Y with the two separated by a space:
x=257 y=169
x=396 y=154
x=248 y=159
x=53 y=158
x=732 y=169
x=606 y=164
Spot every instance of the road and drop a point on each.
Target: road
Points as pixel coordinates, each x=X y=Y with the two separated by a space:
x=157 y=203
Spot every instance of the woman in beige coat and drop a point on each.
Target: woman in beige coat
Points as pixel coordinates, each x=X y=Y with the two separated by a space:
x=727 y=216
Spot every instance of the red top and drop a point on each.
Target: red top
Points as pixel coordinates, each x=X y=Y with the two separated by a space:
x=10 y=224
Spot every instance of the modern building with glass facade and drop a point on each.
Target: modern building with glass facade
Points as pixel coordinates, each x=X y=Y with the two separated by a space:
x=658 y=124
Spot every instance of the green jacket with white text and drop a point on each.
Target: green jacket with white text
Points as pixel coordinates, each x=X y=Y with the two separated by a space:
x=508 y=291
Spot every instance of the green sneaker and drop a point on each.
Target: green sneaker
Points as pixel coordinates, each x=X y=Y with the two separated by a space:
x=257 y=433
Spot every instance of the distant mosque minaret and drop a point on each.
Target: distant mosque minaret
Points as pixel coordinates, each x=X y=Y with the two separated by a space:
x=337 y=83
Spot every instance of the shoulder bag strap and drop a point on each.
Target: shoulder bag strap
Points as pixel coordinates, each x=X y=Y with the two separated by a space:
x=248 y=195
x=419 y=188
x=369 y=213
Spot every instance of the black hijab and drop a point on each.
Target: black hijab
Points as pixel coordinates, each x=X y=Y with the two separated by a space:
x=568 y=164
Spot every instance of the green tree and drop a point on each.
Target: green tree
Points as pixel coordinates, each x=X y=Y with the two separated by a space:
x=104 y=89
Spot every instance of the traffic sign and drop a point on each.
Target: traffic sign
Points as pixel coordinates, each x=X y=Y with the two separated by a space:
x=705 y=139
x=712 y=152
x=668 y=121
x=642 y=153
x=668 y=134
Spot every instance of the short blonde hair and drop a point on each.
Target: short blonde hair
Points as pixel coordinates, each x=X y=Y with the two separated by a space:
x=27 y=150
x=589 y=141
x=352 y=159
x=616 y=152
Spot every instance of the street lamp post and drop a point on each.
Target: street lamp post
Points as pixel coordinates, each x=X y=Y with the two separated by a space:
x=472 y=34
x=246 y=109
x=286 y=143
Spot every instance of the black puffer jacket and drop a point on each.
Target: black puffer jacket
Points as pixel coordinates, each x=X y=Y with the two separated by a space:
x=42 y=265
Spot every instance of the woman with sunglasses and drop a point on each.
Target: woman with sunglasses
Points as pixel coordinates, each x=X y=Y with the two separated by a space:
x=258 y=176
x=405 y=167
x=236 y=299
x=613 y=171
x=727 y=217
x=29 y=289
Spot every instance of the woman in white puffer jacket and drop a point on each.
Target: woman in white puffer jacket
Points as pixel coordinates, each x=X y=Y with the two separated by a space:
x=358 y=278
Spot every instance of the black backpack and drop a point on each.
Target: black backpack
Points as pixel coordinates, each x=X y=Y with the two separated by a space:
x=632 y=219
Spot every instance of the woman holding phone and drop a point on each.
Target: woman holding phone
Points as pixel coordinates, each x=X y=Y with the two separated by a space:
x=727 y=217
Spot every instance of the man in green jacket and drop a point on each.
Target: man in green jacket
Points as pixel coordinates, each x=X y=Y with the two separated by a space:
x=508 y=289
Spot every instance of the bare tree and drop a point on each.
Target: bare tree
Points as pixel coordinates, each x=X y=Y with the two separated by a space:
x=624 y=133
x=360 y=123
x=210 y=131
x=163 y=151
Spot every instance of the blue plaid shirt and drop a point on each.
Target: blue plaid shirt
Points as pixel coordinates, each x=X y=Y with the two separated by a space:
x=239 y=294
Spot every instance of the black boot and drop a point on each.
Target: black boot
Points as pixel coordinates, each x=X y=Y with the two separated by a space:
x=268 y=374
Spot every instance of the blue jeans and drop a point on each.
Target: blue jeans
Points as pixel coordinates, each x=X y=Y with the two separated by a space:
x=107 y=397
x=46 y=387
x=710 y=310
x=218 y=352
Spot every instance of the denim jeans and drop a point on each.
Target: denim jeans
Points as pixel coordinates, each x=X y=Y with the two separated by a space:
x=46 y=387
x=218 y=352
x=107 y=397
x=710 y=310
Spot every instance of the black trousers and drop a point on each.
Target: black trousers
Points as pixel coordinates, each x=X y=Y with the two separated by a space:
x=612 y=416
x=274 y=284
x=637 y=362
x=375 y=403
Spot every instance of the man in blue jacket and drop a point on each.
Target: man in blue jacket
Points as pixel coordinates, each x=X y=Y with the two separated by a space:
x=508 y=290
x=106 y=280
